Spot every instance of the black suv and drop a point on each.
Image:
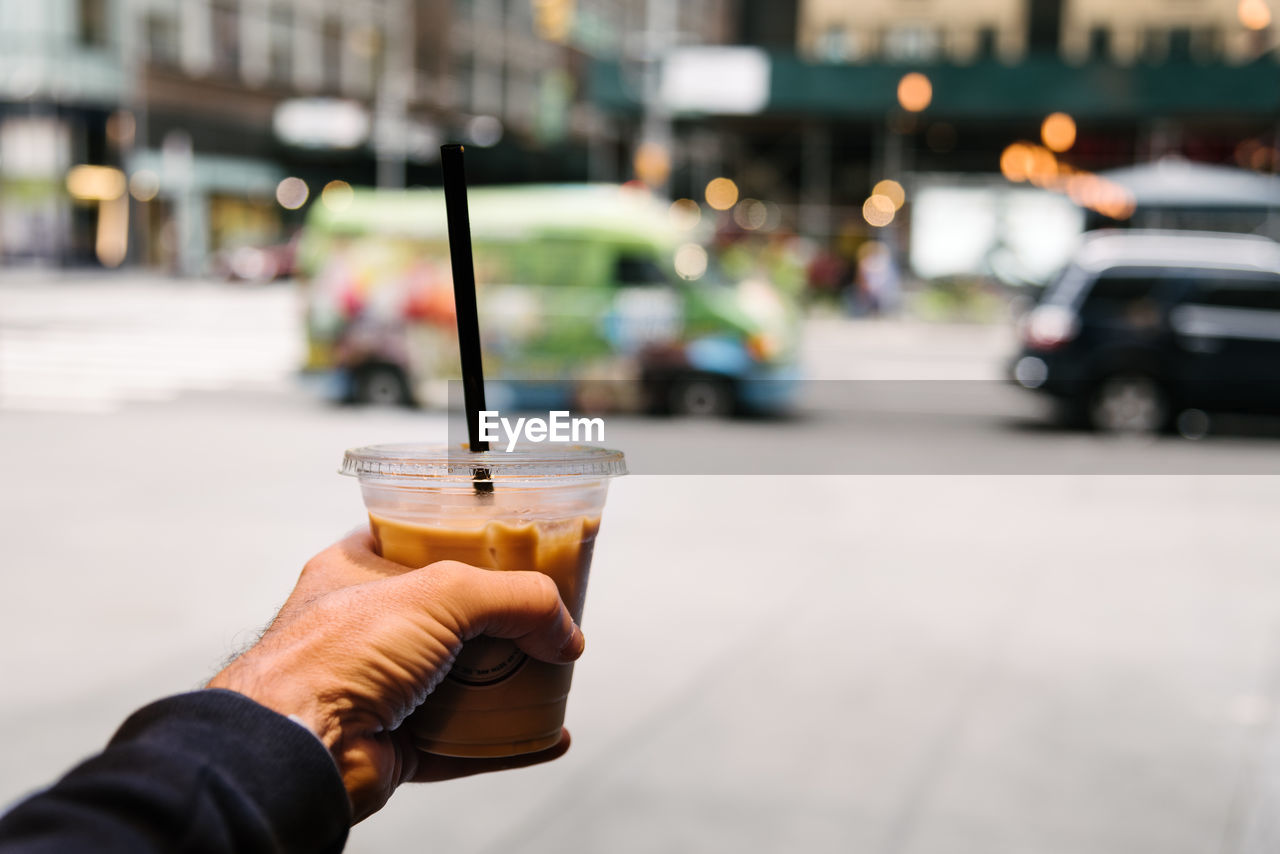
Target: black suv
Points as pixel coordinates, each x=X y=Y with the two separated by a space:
x=1144 y=325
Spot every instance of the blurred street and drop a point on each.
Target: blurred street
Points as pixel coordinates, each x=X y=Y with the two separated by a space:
x=886 y=397
x=863 y=663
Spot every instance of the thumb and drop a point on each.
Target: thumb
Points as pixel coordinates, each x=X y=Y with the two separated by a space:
x=524 y=607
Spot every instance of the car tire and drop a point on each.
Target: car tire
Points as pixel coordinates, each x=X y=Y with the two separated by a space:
x=702 y=396
x=1134 y=404
x=382 y=385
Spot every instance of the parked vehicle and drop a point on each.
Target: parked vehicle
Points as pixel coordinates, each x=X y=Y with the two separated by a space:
x=1144 y=325
x=588 y=295
x=256 y=264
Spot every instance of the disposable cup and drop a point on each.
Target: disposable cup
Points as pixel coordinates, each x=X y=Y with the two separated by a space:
x=543 y=514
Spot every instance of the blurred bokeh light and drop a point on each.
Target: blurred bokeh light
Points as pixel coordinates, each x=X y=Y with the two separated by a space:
x=1058 y=132
x=691 y=261
x=337 y=195
x=891 y=190
x=878 y=210
x=685 y=214
x=750 y=214
x=915 y=92
x=722 y=193
x=292 y=193
x=1254 y=14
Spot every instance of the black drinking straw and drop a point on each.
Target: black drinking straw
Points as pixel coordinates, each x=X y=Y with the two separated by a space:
x=464 y=297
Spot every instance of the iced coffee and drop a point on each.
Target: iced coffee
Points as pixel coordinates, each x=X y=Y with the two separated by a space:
x=493 y=686
x=543 y=514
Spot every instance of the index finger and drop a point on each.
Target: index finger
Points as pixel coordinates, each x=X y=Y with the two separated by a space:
x=522 y=606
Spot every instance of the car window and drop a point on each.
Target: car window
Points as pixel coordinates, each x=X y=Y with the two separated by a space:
x=638 y=271
x=1120 y=290
x=1228 y=290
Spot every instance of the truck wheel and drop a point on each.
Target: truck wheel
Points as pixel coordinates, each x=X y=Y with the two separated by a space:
x=702 y=397
x=382 y=385
x=1129 y=403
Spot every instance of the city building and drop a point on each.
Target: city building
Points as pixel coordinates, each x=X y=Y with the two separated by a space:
x=62 y=76
x=180 y=105
x=189 y=115
x=230 y=97
x=898 y=89
x=890 y=30
x=1081 y=30
x=1205 y=31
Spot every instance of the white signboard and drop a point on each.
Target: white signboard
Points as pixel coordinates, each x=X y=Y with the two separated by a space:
x=321 y=123
x=1020 y=232
x=716 y=80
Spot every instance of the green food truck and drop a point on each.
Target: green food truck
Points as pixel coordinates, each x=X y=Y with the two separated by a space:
x=589 y=295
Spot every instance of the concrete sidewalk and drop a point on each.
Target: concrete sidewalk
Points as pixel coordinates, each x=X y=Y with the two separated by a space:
x=908 y=665
x=926 y=664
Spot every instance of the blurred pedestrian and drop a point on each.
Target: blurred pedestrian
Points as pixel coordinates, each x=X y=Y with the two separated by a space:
x=300 y=736
x=878 y=280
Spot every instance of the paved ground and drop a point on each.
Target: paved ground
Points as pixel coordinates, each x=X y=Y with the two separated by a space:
x=89 y=344
x=859 y=663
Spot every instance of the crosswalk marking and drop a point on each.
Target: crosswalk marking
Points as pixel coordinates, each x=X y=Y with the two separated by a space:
x=95 y=344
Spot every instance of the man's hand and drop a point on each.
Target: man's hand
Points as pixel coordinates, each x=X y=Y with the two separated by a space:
x=362 y=641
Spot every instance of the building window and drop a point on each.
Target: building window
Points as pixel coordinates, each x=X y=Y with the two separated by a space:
x=1044 y=25
x=912 y=43
x=280 y=36
x=987 y=42
x=1206 y=44
x=94 y=25
x=224 y=19
x=331 y=53
x=1099 y=43
x=837 y=44
x=365 y=47
x=163 y=46
x=1180 y=43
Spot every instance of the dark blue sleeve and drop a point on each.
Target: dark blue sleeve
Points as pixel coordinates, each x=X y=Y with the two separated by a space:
x=204 y=773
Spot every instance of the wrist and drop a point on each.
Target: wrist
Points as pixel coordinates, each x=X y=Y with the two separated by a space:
x=303 y=708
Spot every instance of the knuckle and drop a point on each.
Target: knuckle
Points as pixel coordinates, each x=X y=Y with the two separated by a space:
x=543 y=594
x=449 y=589
x=448 y=577
x=450 y=568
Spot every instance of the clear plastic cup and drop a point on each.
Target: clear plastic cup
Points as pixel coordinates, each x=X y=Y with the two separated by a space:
x=542 y=514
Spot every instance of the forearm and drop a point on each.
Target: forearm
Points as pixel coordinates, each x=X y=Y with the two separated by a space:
x=206 y=772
